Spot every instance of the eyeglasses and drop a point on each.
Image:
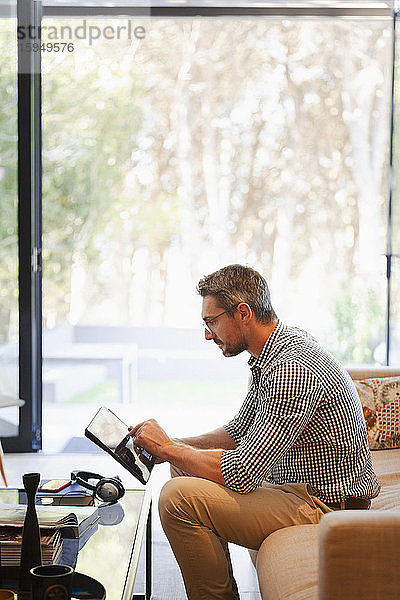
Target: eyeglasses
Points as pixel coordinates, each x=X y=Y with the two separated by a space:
x=210 y=322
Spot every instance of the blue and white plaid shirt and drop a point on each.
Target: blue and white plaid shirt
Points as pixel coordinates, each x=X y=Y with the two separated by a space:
x=301 y=421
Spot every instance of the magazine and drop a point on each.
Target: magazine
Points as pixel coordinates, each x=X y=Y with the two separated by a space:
x=71 y=524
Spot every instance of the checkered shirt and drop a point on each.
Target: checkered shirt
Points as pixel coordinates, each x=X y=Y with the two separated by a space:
x=301 y=422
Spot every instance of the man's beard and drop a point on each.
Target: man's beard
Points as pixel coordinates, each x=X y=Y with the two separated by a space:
x=235 y=348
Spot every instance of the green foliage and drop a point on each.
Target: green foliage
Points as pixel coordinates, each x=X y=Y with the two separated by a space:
x=8 y=183
x=359 y=317
x=93 y=217
x=104 y=393
x=84 y=161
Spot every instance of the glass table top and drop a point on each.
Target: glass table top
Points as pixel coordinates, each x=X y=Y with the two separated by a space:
x=111 y=554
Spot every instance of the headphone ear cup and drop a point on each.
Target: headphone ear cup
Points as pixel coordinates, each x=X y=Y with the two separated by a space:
x=109 y=490
x=106 y=491
x=118 y=484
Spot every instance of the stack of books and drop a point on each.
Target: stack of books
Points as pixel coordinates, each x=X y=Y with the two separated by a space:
x=10 y=547
x=56 y=524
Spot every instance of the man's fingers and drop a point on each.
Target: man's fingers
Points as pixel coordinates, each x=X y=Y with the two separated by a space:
x=133 y=428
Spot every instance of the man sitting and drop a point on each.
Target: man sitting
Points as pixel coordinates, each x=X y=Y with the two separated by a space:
x=296 y=449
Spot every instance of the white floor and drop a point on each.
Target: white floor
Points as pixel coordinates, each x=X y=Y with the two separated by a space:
x=167 y=582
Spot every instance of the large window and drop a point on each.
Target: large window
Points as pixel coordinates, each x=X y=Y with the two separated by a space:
x=9 y=382
x=198 y=143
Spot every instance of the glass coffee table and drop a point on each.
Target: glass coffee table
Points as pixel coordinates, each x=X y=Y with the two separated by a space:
x=111 y=554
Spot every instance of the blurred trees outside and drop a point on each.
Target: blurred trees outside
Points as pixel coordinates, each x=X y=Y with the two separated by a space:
x=8 y=183
x=215 y=141
x=218 y=141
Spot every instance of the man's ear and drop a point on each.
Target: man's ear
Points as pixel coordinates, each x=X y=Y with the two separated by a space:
x=245 y=312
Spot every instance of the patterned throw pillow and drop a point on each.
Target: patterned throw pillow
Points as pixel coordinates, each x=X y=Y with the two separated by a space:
x=380 y=399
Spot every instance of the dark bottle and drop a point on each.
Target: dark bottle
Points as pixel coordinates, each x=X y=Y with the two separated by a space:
x=31 y=555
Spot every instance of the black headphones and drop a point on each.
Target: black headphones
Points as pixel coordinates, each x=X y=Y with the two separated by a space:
x=107 y=489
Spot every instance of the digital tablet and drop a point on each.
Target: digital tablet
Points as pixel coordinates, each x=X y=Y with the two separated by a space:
x=111 y=434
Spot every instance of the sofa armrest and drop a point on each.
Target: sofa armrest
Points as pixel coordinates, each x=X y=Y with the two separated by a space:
x=359 y=555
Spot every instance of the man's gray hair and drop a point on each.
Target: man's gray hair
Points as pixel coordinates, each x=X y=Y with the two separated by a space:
x=234 y=284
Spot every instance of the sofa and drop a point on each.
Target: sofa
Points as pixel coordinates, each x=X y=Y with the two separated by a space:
x=350 y=554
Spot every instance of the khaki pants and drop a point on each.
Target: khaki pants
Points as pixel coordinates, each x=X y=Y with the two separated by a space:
x=199 y=517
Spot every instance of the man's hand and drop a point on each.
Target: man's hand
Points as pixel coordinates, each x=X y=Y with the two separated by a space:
x=150 y=436
x=201 y=463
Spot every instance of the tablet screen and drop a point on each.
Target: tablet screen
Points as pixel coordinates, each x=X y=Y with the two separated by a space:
x=111 y=434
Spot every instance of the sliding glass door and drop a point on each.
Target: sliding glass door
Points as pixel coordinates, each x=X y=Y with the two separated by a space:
x=9 y=324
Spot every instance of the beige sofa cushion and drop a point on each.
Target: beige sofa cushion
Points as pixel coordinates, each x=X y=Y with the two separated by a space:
x=359 y=555
x=287 y=564
x=387 y=467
